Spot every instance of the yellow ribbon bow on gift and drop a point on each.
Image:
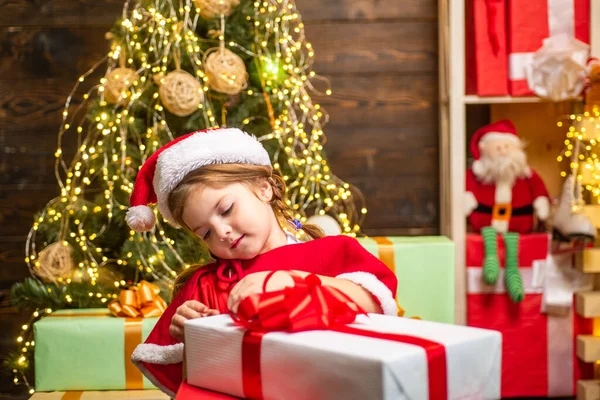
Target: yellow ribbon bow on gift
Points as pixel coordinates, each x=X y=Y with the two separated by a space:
x=142 y=300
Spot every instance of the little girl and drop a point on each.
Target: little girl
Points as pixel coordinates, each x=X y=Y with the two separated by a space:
x=219 y=185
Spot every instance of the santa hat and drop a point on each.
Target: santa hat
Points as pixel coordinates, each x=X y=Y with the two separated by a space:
x=504 y=130
x=167 y=167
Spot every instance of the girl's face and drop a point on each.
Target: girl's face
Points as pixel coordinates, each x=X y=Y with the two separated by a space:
x=234 y=221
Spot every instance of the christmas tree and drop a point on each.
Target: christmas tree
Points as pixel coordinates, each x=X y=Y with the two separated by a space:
x=174 y=67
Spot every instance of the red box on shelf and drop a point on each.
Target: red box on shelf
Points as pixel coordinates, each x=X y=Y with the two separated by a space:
x=486 y=52
x=538 y=351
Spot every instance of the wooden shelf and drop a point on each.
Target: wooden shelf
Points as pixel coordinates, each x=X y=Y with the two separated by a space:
x=588 y=390
x=474 y=99
x=453 y=130
x=588 y=304
x=588 y=348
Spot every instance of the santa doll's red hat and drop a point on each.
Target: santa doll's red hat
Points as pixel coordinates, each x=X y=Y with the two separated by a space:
x=167 y=167
x=504 y=130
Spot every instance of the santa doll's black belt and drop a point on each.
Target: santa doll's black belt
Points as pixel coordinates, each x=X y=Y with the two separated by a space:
x=526 y=210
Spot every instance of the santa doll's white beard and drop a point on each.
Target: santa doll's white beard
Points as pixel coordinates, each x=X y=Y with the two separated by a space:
x=504 y=169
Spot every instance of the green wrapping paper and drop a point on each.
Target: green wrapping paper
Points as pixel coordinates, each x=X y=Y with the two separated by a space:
x=425 y=270
x=102 y=395
x=86 y=349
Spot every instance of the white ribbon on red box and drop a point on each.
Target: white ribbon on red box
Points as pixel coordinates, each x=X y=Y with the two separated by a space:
x=561 y=20
x=557 y=70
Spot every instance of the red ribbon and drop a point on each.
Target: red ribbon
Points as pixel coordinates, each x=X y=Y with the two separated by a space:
x=492 y=13
x=311 y=306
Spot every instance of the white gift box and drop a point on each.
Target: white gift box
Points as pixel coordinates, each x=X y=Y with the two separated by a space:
x=317 y=365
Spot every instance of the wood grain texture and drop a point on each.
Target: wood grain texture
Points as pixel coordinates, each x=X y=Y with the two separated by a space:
x=34 y=52
x=20 y=203
x=59 y=12
x=367 y=10
x=11 y=321
x=382 y=138
x=371 y=117
x=377 y=110
x=35 y=104
x=102 y=13
x=26 y=157
x=12 y=259
x=409 y=204
x=375 y=47
x=38 y=52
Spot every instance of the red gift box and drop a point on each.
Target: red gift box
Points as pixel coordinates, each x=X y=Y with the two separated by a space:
x=486 y=53
x=532 y=21
x=538 y=350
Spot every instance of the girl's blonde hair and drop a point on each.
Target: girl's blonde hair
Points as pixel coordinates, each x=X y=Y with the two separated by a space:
x=221 y=175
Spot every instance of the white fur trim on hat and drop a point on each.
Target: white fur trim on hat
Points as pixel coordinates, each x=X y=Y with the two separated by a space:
x=156 y=354
x=490 y=136
x=219 y=146
x=140 y=218
x=370 y=283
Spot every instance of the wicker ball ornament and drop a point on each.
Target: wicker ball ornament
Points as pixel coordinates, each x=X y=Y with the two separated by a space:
x=180 y=93
x=226 y=71
x=210 y=9
x=117 y=82
x=54 y=262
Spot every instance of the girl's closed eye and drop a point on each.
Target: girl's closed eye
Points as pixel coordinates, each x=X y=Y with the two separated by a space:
x=206 y=235
x=228 y=211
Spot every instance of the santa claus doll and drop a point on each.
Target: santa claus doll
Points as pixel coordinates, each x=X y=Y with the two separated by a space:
x=503 y=195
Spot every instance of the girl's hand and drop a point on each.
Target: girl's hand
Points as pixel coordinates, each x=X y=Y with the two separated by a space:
x=253 y=283
x=189 y=310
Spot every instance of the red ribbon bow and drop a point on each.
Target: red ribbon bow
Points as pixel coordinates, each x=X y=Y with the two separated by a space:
x=307 y=306
x=311 y=306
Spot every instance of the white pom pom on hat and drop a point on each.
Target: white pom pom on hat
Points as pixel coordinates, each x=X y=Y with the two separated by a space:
x=140 y=218
x=167 y=167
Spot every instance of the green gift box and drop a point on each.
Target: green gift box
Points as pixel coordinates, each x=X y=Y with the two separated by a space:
x=425 y=270
x=88 y=349
x=102 y=395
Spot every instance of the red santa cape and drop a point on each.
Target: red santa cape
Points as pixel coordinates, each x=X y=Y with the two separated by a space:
x=160 y=357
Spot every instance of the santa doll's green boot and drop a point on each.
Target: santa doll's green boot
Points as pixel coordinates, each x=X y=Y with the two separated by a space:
x=491 y=265
x=512 y=275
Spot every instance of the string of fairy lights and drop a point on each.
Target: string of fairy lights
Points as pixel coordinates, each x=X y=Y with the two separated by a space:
x=113 y=140
x=581 y=153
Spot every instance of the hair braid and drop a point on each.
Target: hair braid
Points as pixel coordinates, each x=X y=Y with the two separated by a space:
x=283 y=211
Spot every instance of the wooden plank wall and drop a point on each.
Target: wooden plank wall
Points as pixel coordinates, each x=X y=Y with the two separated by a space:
x=380 y=57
